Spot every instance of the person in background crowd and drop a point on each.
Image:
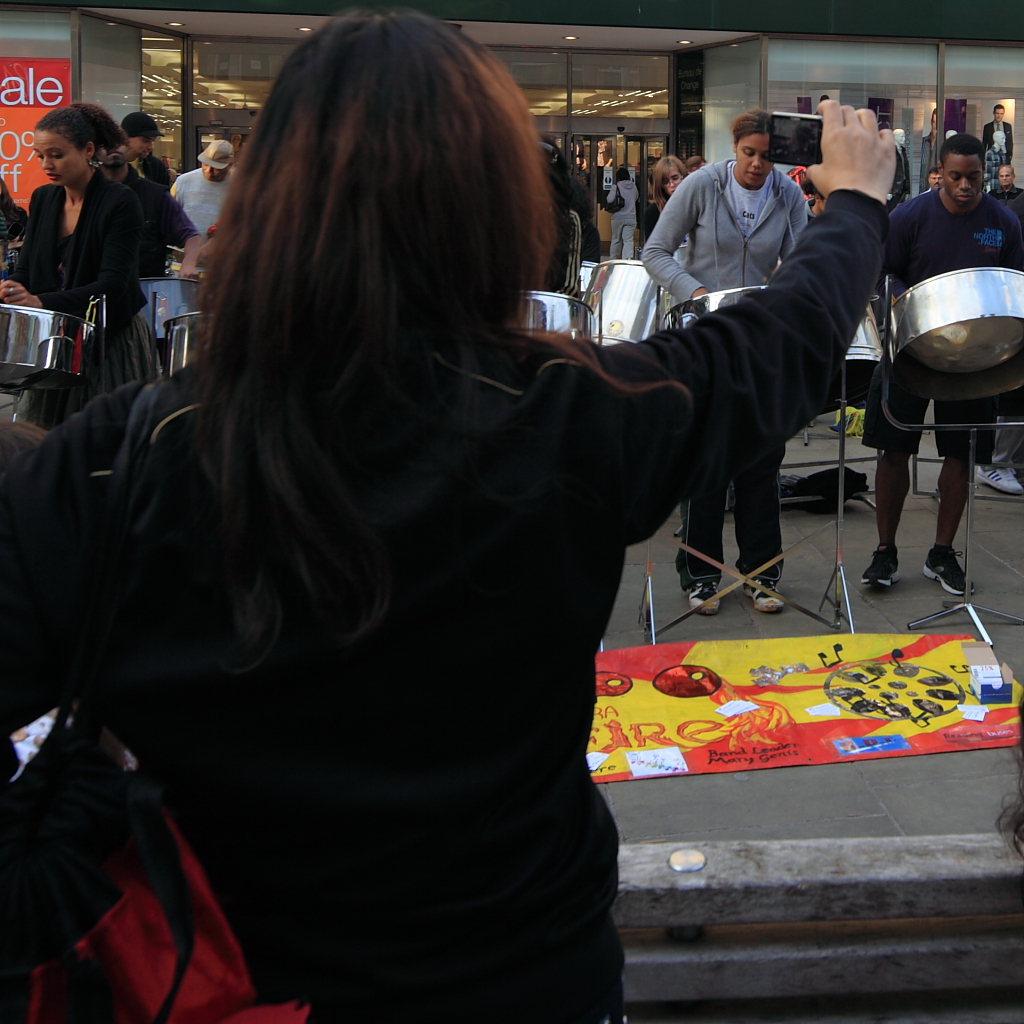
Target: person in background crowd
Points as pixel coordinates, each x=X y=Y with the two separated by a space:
x=955 y=228
x=82 y=240
x=623 y=219
x=564 y=273
x=668 y=175
x=694 y=163
x=202 y=192
x=165 y=221
x=741 y=217
x=998 y=124
x=15 y=217
x=590 y=241
x=1007 y=449
x=1007 y=191
x=142 y=130
x=934 y=179
x=347 y=509
x=815 y=200
x=928 y=155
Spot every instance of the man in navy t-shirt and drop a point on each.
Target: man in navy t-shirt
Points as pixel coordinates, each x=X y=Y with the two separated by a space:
x=955 y=227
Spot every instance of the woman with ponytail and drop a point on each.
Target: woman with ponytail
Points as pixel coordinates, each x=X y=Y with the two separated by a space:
x=83 y=240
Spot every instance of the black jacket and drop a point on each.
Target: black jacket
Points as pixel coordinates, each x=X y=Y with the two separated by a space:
x=155 y=170
x=990 y=129
x=103 y=257
x=1006 y=196
x=407 y=830
x=152 y=248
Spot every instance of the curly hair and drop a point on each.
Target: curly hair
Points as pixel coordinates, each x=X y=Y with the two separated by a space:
x=752 y=122
x=82 y=123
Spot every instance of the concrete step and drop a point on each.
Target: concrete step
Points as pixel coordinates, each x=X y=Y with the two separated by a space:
x=995 y=1006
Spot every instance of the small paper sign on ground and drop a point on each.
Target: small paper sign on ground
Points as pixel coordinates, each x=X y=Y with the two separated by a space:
x=663 y=761
x=736 y=707
x=973 y=712
x=824 y=711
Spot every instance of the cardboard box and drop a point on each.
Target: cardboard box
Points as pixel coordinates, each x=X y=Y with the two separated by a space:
x=990 y=682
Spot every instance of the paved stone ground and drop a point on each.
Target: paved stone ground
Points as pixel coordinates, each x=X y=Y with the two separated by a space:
x=926 y=795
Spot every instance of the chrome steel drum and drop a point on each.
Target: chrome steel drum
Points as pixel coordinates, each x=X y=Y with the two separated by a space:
x=551 y=311
x=861 y=359
x=182 y=335
x=586 y=273
x=684 y=313
x=960 y=335
x=627 y=304
x=40 y=348
x=166 y=298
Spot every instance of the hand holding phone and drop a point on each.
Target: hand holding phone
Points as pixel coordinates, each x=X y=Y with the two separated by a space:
x=855 y=154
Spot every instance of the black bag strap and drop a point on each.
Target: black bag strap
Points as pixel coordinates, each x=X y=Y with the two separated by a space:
x=100 y=596
x=154 y=841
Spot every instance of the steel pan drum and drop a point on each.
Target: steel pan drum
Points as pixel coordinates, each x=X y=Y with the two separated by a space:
x=40 y=348
x=586 y=272
x=551 y=311
x=685 y=313
x=627 y=304
x=166 y=298
x=182 y=335
x=960 y=335
x=861 y=359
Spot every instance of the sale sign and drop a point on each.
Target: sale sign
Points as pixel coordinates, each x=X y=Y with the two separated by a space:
x=29 y=88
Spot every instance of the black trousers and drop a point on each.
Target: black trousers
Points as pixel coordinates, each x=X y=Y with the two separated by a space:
x=756 y=517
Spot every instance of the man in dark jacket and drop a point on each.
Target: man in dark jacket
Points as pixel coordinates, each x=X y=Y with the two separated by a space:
x=1007 y=191
x=141 y=130
x=166 y=223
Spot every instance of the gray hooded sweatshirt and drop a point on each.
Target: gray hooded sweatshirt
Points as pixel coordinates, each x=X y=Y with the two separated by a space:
x=717 y=255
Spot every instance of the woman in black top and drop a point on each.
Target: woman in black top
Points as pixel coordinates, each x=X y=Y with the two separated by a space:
x=82 y=241
x=371 y=563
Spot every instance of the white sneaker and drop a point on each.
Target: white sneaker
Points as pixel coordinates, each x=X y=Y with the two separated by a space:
x=703 y=597
x=1001 y=479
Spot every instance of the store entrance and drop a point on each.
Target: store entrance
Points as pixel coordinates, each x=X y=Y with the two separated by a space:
x=594 y=160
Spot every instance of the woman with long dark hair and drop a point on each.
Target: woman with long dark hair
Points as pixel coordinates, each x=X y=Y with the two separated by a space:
x=379 y=532
x=82 y=241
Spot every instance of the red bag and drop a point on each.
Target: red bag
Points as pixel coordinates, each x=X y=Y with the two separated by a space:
x=133 y=946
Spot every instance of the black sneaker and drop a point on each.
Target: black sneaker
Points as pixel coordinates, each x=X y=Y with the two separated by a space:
x=883 y=570
x=941 y=565
x=705 y=593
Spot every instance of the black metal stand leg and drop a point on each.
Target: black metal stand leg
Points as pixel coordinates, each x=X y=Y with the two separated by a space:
x=839 y=598
x=966 y=605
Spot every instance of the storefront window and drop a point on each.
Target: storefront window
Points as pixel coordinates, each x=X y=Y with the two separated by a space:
x=978 y=79
x=111 y=66
x=236 y=75
x=732 y=76
x=35 y=34
x=895 y=80
x=541 y=77
x=161 y=93
x=615 y=85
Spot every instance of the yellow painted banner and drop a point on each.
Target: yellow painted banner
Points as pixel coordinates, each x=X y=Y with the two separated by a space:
x=735 y=705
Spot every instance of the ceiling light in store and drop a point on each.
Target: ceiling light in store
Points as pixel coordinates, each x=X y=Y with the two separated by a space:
x=175 y=24
x=304 y=28
x=570 y=37
x=684 y=42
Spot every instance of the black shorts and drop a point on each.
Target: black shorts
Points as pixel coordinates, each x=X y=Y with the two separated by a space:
x=907 y=408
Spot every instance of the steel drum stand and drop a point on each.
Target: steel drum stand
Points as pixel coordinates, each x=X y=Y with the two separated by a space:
x=839 y=598
x=965 y=604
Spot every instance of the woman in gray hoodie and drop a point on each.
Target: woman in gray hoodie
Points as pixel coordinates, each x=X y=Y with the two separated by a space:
x=624 y=220
x=741 y=217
